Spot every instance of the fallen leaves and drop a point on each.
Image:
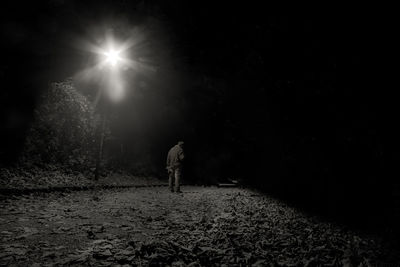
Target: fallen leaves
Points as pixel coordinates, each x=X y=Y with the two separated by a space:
x=202 y=227
x=33 y=178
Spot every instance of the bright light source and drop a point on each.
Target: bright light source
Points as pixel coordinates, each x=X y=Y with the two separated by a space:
x=116 y=90
x=112 y=57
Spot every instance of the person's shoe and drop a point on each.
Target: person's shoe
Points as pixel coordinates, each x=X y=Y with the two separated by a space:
x=179 y=191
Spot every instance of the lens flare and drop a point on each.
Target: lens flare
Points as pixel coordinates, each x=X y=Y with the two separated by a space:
x=116 y=92
x=112 y=57
x=115 y=60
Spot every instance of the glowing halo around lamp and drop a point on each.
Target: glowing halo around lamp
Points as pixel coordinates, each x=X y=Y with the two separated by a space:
x=112 y=57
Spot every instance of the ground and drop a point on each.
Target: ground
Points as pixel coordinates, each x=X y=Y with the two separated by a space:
x=20 y=179
x=204 y=226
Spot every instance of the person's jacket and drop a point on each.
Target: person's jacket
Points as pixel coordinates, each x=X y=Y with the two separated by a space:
x=175 y=157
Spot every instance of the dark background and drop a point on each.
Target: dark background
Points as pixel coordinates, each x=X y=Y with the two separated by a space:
x=293 y=104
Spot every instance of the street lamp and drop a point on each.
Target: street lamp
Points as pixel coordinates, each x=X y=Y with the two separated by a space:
x=114 y=88
x=112 y=57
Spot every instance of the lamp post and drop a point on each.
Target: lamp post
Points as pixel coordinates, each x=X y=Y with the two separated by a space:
x=101 y=144
x=112 y=60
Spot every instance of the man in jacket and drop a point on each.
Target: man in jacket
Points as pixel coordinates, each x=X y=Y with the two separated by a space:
x=174 y=166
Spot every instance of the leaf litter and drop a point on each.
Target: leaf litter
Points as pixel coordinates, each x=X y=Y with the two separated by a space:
x=205 y=226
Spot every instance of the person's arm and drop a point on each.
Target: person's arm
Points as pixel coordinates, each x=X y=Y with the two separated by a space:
x=168 y=160
x=181 y=155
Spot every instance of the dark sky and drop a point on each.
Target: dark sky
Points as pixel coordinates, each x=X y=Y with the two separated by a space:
x=271 y=79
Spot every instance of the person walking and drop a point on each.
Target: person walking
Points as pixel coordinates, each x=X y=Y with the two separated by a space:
x=174 y=166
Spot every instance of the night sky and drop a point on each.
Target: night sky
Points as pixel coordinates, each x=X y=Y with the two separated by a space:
x=292 y=103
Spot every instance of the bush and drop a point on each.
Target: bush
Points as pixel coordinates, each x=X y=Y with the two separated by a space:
x=63 y=130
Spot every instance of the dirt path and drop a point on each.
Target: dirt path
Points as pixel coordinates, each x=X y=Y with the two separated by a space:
x=148 y=226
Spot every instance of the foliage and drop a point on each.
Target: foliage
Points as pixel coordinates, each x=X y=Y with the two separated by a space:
x=63 y=130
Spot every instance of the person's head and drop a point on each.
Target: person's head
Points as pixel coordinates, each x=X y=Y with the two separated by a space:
x=181 y=143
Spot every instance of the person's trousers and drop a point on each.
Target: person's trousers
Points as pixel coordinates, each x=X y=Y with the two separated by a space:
x=174 y=179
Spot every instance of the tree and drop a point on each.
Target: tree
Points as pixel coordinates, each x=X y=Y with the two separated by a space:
x=63 y=129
